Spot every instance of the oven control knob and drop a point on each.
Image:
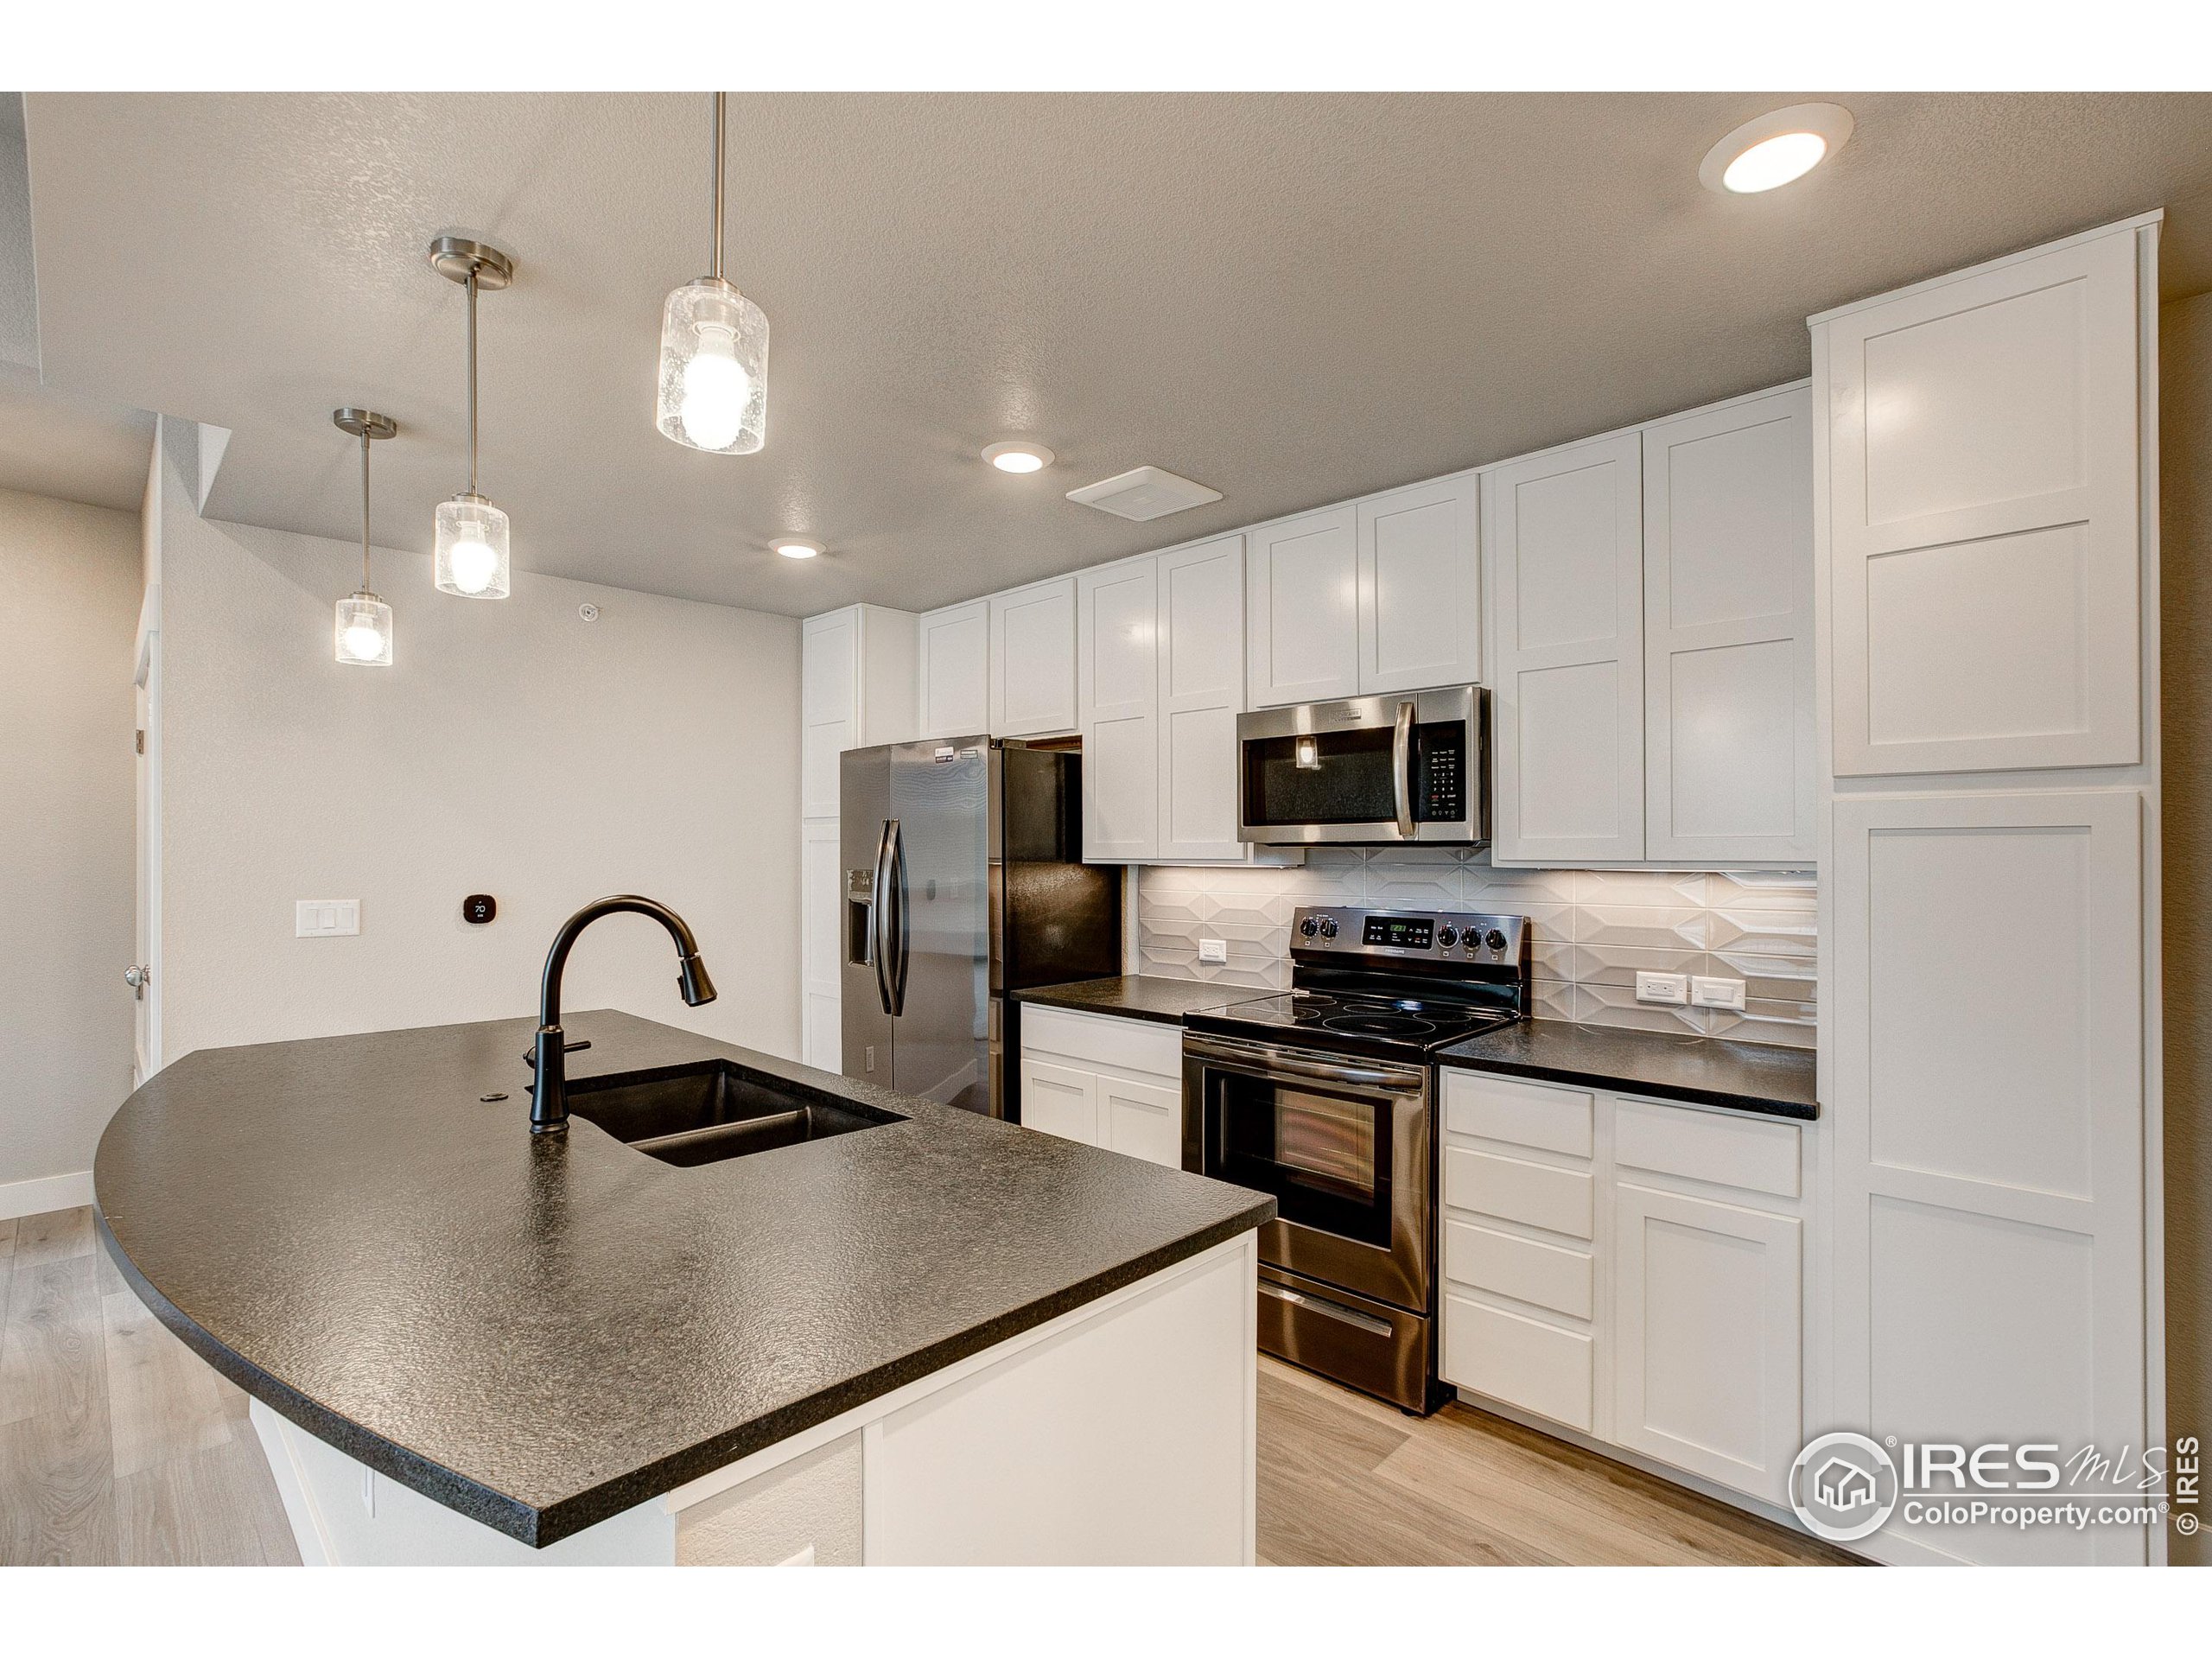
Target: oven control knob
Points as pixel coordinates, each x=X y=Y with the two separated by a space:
x=1309 y=927
x=1447 y=936
x=1496 y=940
x=1328 y=927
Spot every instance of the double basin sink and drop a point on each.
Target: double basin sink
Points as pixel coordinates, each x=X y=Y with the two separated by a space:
x=705 y=1113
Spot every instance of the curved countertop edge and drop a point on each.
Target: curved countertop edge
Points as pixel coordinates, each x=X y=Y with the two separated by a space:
x=1637 y=1063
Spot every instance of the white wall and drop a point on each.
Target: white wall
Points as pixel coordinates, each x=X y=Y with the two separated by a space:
x=69 y=614
x=511 y=749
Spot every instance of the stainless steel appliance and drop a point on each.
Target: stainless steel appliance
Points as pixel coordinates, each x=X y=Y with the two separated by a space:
x=1411 y=768
x=964 y=881
x=1324 y=1097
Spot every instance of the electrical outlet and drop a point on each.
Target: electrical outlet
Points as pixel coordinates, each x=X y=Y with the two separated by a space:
x=1706 y=993
x=325 y=918
x=1213 y=950
x=1672 y=989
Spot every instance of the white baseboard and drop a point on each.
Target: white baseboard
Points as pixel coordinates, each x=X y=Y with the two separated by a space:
x=48 y=1192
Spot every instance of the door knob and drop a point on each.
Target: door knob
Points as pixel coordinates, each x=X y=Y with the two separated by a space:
x=135 y=976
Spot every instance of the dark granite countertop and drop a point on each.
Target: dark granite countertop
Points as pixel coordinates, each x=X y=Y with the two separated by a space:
x=1708 y=1070
x=1138 y=996
x=541 y=1332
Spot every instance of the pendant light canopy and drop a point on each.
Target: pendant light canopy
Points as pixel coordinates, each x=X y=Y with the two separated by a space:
x=471 y=558
x=714 y=353
x=363 y=634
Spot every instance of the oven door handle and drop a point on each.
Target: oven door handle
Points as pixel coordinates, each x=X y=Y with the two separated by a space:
x=1401 y=769
x=1282 y=1062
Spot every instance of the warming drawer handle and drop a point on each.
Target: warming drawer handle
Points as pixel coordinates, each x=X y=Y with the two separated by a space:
x=1327 y=1308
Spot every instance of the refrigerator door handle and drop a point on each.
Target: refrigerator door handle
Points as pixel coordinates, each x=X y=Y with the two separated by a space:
x=897 y=1005
x=879 y=912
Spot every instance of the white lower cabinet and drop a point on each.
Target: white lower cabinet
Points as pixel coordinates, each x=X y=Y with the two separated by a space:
x=1105 y=1081
x=1629 y=1269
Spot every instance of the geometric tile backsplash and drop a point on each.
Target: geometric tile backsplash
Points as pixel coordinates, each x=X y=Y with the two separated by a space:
x=1590 y=929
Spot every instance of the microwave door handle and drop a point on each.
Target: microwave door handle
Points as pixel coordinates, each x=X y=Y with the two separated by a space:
x=1401 y=770
x=879 y=912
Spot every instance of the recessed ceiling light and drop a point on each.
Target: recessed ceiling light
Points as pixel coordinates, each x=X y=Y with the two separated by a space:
x=1012 y=457
x=793 y=547
x=1777 y=148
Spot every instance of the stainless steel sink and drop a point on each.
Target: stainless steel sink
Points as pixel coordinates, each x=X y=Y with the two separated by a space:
x=705 y=1113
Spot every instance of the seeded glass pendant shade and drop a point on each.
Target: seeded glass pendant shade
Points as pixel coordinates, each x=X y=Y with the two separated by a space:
x=714 y=353
x=362 y=634
x=469 y=556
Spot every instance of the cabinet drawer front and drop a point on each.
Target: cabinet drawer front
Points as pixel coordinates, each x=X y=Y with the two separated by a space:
x=1523 y=1362
x=1548 y=1275
x=1059 y=1101
x=1144 y=1120
x=1143 y=1046
x=1541 y=1195
x=1727 y=1150
x=1527 y=1113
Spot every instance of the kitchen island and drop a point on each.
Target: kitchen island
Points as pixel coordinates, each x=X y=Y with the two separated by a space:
x=935 y=1338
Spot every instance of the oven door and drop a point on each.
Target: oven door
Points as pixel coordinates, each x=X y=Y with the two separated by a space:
x=1346 y=1146
x=1370 y=770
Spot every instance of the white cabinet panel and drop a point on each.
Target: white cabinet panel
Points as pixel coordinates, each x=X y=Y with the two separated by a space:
x=829 y=706
x=1540 y=1115
x=1201 y=599
x=1142 y=1119
x=1302 y=616
x=1537 y=1195
x=1060 y=1100
x=956 y=670
x=1985 y=532
x=1727 y=1148
x=1032 y=660
x=1523 y=1362
x=1729 y=756
x=1527 y=1269
x=1566 y=561
x=1708 y=1331
x=1420 y=587
x=1117 y=658
x=821 y=913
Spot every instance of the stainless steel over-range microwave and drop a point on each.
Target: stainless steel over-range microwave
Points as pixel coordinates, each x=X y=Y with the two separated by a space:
x=1413 y=766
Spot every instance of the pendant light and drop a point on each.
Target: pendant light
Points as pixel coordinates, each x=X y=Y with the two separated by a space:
x=714 y=353
x=363 y=635
x=472 y=534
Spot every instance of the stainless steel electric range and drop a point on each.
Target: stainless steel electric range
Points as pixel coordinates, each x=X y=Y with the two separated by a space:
x=1323 y=1096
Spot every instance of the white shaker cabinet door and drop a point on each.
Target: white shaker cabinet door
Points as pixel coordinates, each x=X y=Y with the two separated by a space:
x=829 y=706
x=1420 y=587
x=1985 y=518
x=1302 y=609
x=1117 y=671
x=1201 y=694
x=1032 y=660
x=821 y=913
x=1729 y=755
x=1565 y=560
x=956 y=670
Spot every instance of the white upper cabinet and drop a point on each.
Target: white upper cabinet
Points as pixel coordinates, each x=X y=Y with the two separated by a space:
x=1302 y=609
x=1565 y=540
x=1419 y=587
x=1032 y=660
x=956 y=670
x=856 y=688
x=1201 y=597
x=1729 y=754
x=1118 y=668
x=1985 y=517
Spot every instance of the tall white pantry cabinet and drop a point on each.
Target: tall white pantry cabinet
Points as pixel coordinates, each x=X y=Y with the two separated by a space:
x=1986 y=570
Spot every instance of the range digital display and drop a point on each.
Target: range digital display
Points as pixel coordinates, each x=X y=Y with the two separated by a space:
x=1401 y=932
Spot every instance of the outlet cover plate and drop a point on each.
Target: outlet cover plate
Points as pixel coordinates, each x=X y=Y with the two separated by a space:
x=1716 y=993
x=326 y=918
x=1213 y=950
x=1673 y=989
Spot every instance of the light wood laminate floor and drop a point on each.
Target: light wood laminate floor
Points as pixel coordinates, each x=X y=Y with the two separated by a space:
x=119 y=1446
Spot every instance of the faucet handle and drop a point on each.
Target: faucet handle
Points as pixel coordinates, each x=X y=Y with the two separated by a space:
x=530 y=1055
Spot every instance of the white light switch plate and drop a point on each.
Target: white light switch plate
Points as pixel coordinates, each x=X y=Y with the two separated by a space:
x=1716 y=993
x=1673 y=989
x=326 y=918
x=1213 y=950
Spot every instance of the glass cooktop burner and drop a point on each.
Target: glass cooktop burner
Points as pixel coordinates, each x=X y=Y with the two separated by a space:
x=1384 y=1021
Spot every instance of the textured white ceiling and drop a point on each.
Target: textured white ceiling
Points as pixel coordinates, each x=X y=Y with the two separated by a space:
x=1292 y=298
x=73 y=449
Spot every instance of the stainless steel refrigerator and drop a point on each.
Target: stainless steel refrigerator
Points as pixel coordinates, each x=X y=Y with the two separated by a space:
x=964 y=881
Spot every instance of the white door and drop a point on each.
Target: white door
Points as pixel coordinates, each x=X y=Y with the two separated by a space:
x=1987 y=1095
x=821 y=915
x=956 y=670
x=1032 y=660
x=1730 y=757
x=1144 y=1120
x=1565 y=568
x=1117 y=668
x=1059 y=1100
x=1708 y=1328
x=1201 y=694
x=1420 y=588
x=829 y=706
x=1984 y=527
x=1302 y=609
x=146 y=1033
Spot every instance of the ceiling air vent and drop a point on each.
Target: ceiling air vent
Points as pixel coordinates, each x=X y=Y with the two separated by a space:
x=1147 y=493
